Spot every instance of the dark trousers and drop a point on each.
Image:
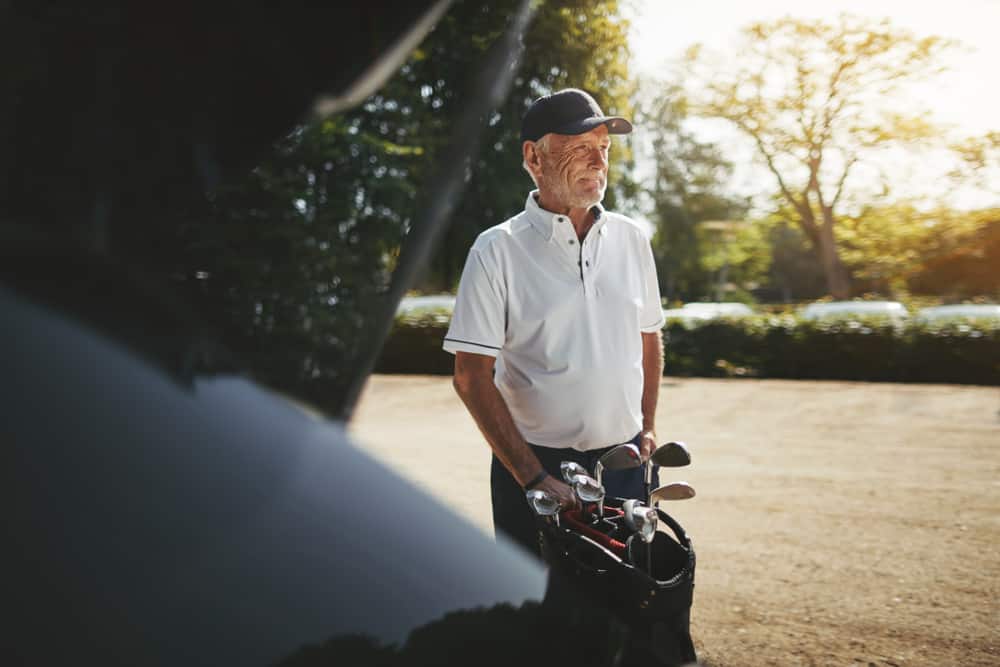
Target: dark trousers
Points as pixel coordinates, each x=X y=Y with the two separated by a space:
x=511 y=513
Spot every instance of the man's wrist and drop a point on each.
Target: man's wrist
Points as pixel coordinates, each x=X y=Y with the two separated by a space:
x=536 y=480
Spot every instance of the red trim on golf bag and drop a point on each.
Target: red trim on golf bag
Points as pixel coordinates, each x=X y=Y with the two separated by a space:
x=575 y=519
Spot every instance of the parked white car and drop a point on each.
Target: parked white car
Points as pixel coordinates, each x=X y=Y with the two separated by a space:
x=709 y=310
x=970 y=311
x=840 y=310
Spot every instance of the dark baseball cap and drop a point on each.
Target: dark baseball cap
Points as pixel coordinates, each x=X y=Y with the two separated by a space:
x=569 y=111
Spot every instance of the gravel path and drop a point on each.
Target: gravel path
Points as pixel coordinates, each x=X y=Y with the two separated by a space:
x=836 y=523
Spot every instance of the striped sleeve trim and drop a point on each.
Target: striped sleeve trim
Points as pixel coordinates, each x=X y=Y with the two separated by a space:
x=469 y=342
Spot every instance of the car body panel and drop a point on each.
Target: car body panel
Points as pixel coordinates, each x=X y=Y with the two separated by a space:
x=702 y=311
x=146 y=510
x=964 y=311
x=847 y=309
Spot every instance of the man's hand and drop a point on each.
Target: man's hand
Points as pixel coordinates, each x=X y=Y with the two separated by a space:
x=560 y=491
x=648 y=445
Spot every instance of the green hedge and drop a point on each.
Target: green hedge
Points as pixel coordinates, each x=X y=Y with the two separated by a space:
x=771 y=347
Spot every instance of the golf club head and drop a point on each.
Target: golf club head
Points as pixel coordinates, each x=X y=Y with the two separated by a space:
x=672 y=491
x=570 y=469
x=645 y=521
x=622 y=457
x=587 y=489
x=627 y=508
x=542 y=503
x=671 y=455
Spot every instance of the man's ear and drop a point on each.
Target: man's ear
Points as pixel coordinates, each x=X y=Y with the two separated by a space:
x=531 y=155
x=528 y=152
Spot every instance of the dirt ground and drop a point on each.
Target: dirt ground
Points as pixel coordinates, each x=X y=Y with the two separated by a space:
x=836 y=523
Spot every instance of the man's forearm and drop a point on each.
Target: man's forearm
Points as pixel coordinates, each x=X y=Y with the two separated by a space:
x=652 y=371
x=491 y=414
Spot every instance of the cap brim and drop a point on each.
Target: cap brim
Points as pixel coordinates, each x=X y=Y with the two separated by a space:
x=615 y=125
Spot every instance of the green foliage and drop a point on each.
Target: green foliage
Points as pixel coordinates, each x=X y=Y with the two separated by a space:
x=885 y=245
x=963 y=267
x=581 y=44
x=299 y=254
x=793 y=274
x=414 y=346
x=687 y=189
x=867 y=349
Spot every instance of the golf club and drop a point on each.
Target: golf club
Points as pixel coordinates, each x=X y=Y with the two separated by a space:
x=587 y=489
x=622 y=457
x=569 y=469
x=671 y=491
x=543 y=504
x=669 y=455
x=643 y=520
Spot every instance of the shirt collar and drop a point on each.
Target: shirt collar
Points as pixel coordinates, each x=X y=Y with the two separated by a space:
x=544 y=221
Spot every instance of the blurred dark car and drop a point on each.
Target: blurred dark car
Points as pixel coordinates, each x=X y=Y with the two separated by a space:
x=161 y=508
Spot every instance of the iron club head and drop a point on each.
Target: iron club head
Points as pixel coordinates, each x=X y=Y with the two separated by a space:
x=640 y=519
x=627 y=508
x=672 y=491
x=570 y=469
x=671 y=455
x=543 y=504
x=587 y=489
x=621 y=457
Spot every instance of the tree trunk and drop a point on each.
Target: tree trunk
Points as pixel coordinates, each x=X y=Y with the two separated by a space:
x=838 y=282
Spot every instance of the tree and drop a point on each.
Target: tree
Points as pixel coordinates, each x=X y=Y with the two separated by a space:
x=887 y=244
x=959 y=255
x=577 y=43
x=816 y=99
x=979 y=162
x=686 y=190
x=298 y=253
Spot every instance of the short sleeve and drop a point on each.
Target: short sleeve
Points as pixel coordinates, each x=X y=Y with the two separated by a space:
x=478 y=323
x=652 y=310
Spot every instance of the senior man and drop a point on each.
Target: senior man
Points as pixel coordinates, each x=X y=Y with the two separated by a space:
x=556 y=327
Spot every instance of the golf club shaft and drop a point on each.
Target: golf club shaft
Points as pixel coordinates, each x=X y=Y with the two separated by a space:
x=648 y=478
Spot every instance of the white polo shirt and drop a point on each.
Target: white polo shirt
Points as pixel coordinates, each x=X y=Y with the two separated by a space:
x=563 y=320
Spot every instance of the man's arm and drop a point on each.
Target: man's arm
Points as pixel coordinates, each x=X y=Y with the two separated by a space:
x=652 y=372
x=474 y=384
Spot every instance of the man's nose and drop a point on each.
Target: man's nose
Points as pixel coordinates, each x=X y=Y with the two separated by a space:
x=598 y=157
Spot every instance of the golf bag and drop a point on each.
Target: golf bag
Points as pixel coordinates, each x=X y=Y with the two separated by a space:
x=653 y=599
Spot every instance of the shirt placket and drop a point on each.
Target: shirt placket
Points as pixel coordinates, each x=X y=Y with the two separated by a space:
x=582 y=256
x=588 y=262
x=565 y=237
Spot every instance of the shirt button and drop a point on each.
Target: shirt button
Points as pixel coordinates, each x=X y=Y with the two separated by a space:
x=572 y=242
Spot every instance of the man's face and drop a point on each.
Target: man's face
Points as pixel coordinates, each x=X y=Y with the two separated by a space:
x=574 y=169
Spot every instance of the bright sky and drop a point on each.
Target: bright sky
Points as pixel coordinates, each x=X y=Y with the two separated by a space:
x=967 y=97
